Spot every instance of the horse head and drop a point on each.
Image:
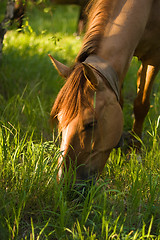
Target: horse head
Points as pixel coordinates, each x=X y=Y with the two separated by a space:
x=89 y=115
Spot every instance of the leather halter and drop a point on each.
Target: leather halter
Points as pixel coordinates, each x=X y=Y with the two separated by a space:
x=106 y=71
x=110 y=76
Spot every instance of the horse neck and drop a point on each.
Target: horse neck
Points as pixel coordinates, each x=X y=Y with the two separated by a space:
x=123 y=33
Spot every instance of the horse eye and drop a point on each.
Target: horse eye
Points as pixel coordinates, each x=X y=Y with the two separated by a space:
x=90 y=125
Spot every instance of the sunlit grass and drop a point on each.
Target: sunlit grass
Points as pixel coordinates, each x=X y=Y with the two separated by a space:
x=29 y=81
x=124 y=203
x=29 y=44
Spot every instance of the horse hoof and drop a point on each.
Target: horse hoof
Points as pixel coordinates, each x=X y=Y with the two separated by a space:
x=131 y=140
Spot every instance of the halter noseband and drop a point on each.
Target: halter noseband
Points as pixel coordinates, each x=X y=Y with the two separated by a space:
x=106 y=71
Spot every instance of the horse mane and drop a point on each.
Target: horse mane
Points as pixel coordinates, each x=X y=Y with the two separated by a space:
x=75 y=93
x=73 y=96
x=98 y=16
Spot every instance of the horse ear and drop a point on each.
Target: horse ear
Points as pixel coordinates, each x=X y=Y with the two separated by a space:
x=90 y=75
x=62 y=69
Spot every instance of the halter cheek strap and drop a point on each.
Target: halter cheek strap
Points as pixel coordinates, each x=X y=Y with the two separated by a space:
x=106 y=70
x=109 y=74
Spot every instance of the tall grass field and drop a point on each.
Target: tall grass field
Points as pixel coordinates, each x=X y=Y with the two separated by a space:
x=124 y=203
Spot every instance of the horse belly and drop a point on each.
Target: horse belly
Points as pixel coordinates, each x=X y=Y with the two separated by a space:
x=148 y=48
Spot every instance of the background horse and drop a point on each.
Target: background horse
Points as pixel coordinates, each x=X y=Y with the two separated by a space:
x=20 y=8
x=88 y=107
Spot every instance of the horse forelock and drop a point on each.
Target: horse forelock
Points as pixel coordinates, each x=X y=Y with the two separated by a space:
x=98 y=17
x=72 y=98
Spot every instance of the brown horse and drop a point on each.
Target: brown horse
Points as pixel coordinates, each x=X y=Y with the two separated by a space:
x=88 y=106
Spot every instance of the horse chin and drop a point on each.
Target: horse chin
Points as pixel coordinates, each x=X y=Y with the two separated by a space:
x=93 y=166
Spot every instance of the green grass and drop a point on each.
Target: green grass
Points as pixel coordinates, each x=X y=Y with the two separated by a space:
x=124 y=203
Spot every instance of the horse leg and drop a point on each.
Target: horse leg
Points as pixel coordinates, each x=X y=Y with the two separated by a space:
x=19 y=11
x=145 y=79
x=81 y=21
